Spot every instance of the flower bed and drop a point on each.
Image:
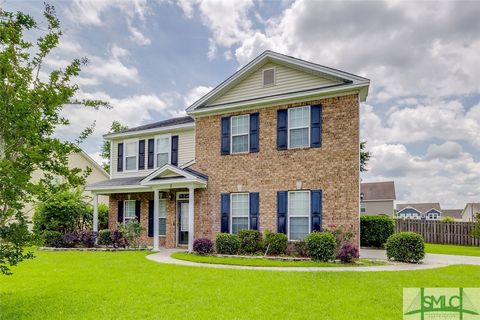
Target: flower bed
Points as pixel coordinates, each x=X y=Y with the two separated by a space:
x=93 y=249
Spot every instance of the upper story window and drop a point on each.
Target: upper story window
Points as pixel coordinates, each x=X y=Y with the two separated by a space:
x=162 y=153
x=131 y=154
x=299 y=127
x=240 y=211
x=268 y=77
x=240 y=133
x=129 y=215
x=298 y=214
x=363 y=208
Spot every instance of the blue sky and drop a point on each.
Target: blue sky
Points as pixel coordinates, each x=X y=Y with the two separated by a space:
x=151 y=59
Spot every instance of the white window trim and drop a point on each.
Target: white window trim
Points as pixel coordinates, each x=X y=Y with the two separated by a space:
x=236 y=135
x=274 y=77
x=309 y=213
x=125 y=155
x=125 y=210
x=155 y=152
x=231 y=211
x=308 y=126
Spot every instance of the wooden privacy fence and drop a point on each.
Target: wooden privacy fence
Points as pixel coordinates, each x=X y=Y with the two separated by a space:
x=440 y=231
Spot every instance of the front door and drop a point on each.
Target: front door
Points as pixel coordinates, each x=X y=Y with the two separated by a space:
x=182 y=222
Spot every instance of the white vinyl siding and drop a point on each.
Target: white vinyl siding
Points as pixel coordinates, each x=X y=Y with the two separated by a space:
x=240 y=127
x=129 y=210
x=286 y=80
x=299 y=127
x=240 y=211
x=130 y=158
x=298 y=214
x=186 y=153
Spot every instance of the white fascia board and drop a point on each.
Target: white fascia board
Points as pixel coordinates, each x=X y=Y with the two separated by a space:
x=410 y=208
x=160 y=130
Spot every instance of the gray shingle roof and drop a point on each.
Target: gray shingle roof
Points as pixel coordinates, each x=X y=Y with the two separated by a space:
x=130 y=181
x=160 y=124
x=378 y=190
x=454 y=213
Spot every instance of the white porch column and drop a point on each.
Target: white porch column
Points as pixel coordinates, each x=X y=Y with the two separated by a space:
x=95 y=213
x=191 y=204
x=156 y=226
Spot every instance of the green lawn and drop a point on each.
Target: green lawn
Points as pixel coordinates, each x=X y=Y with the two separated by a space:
x=125 y=285
x=452 y=249
x=258 y=262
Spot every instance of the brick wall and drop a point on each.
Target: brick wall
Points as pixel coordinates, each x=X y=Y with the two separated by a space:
x=334 y=167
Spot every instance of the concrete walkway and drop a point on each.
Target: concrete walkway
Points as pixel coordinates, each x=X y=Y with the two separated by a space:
x=431 y=261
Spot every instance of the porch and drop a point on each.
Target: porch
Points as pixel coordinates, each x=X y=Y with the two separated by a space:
x=163 y=203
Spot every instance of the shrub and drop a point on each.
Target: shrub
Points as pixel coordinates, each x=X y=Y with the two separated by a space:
x=203 y=246
x=70 y=239
x=448 y=219
x=405 y=247
x=347 y=253
x=131 y=231
x=226 y=243
x=102 y=216
x=118 y=240
x=53 y=239
x=375 y=230
x=275 y=243
x=87 y=238
x=320 y=246
x=250 y=241
x=299 y=248
x=104 y=238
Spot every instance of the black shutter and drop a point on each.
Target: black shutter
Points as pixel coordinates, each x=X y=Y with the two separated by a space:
x=316 y=210
x=137 y=209
x=254 y=210
x=316 y=126
x=174 y=160
x=120 y=157
x=254 y=132
x=225 y=136
x=282 y=211
x=282 y=123
x=141 y=154
x=151 y=150
x=225 y=212
x=120 y=211
x=150 y=218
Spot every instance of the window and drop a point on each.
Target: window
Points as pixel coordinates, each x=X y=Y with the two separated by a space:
x=129 y=214
x=131 y=153
x=432 y=216
x=162 y=217
x=363 y=208
x=299 y=127
x=162 y=150
x=240 y=133
x=298 y=214
x=240 y=211
x=269 y=77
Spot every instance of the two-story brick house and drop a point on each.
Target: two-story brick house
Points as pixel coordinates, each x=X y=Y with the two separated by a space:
x=274 y=147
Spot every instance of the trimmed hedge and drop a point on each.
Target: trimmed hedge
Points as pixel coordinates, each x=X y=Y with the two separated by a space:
x=203 y=246
x=104 y=238
x=54 y=239
x=250 y=241
x=226 y=243
x=406 y=247
x=375 y=230
x=275 y=243
x=321 y=246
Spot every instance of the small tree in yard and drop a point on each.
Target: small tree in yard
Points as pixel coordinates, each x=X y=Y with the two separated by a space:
x=31 y=100
x=476 y=229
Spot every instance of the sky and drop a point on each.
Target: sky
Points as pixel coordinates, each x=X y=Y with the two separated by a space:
x=152 y=59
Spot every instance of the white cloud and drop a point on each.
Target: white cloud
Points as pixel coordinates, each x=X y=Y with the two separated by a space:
x=137 y=36
x=195 y=94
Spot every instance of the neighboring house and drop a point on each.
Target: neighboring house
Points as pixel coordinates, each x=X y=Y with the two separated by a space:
x=77 y=160
x=424 y=211
x=454 y=213
x=470 y=212
x=376 y=198
x=273 y=147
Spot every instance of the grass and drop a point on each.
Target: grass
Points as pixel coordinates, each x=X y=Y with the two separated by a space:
x=259 y=262
x=452 y=249
x=125 y=285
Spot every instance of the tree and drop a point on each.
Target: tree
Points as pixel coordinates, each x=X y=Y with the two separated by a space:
x=116 y=127
x=364 y=156
x=31 y=100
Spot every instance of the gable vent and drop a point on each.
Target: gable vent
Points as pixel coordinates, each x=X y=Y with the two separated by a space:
x=269 y=77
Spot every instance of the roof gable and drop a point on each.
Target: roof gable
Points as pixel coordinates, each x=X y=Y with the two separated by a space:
x=384 y=190
x=421 y=207
x=322 y=79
